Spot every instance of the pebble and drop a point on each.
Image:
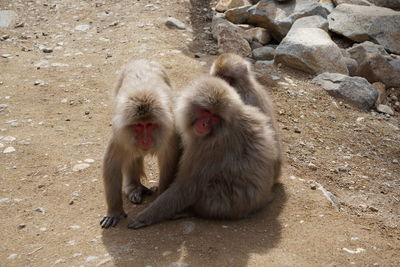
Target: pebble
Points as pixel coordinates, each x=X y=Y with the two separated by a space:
x=9 y=138
x=385 y=109
x=3 y=107
x=1 y=145
x=77 y=255
x=167 y=253
x=57 y=64
x=74 y=227
x=41 y=210
x=39 y=82
x=80 y=167
x=173 y=22
x=59 y=261
x=297 y=130
x=90 y=259
x=178 y=264
x=12 y=257
x=395 y=161
x=21 y=226
x=89 y=160
x=9 y=149
x=6 y=56
x=188 y=227
x=4 y=200
x=82 y=27
x=47 y=49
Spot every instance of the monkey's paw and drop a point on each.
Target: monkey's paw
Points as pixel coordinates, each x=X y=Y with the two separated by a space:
x=136 y=195
x=111 y=220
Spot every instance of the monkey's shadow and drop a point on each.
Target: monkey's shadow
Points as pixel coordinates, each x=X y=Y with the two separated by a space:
x=195 y=241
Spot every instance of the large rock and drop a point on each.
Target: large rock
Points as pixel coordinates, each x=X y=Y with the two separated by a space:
x=264 y=53
x=257 y=34
x=238 y=15
x=311 y=22
x=7 y=18
x=230 y=41
x=218 y=24
x=363 y=23
x=224 y=5
x=360 y=51
x=393 y=4
x=353 y=2
x=376 y=68
x=310 y=50
x=356 y=90
x=351 y=64
x=278 y=17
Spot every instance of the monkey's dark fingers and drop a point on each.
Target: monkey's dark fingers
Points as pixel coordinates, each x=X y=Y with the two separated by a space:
x=108 y=221
x=151 y=190
x=136 y=224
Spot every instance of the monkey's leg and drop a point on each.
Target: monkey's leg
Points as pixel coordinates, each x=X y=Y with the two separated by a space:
x=133 y=189
x=112 y=178
x=168 y=161
x=179 y=196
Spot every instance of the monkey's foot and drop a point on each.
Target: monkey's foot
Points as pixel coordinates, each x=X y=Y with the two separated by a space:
x=136 y=224
x=136 y=195
x=111 y=220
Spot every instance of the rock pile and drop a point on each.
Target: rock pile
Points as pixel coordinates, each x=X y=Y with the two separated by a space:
x=303 y=34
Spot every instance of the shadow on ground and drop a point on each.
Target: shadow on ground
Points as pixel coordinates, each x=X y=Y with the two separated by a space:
x=195 y=241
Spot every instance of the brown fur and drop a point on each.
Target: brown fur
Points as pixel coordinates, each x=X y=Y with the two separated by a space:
x=228 y=173
x=238 y=73
x=143 y=93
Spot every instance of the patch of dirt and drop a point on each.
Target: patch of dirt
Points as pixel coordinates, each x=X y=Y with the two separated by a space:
x=50 y=213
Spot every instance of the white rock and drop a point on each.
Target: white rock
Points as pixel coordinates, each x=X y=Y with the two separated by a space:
x=12 y=257
x=89 y=160
x=9 y=149
x=77 y=255
x=59 y=261
x=9 y=138
x=82 y=27
x=80 y=167
x=90 y=259
x=385 y=109
x=173 y=22
x=4 y=200
x=167 y=253
x=74 y=227
x=57 y=64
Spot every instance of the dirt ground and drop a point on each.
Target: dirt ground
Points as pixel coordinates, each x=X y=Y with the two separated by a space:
x=50 y=212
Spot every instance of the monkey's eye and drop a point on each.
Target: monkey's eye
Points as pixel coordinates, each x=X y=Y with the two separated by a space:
x=138 y=127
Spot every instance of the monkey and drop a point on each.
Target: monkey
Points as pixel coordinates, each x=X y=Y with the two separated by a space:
x=238 y=72
x=230 y=159
x=142 y=124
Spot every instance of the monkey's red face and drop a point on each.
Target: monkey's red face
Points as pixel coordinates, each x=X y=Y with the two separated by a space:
x=205 y=122
x=144 y=133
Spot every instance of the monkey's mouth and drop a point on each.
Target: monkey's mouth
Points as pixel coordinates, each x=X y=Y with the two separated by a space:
x=145 y=143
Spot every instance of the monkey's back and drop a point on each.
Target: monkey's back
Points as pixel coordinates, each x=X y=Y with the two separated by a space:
x=248 y=164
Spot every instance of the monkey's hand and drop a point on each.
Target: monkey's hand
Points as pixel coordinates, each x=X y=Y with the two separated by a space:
x=112 y=220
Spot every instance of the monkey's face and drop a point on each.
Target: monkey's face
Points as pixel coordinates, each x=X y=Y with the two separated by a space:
x=206 y=122
x=144 y=134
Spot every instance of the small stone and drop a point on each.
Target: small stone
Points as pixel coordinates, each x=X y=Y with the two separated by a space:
x=77 y=255
x=47 y=50
x=87 y=112
x=173 y=22
x=4 y=200
x=6 y=56
x=385 y=109
x=40 y=210
x=82 y=27
x=59 y=261
x=9 y=149
x=39 y=82
x=188 y=227
x=395 y=161
x=312 y=166
x=313 y=186
x=167 y=253
x=373 y=209
x=21 y=226
x=12 y=257
x=90 y=259
x=297 y=130
x=3 y=107
x=74 y=227
x=80 y=167
x=9 y=138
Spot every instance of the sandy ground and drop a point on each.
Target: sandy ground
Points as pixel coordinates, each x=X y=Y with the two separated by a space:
x=50 y=213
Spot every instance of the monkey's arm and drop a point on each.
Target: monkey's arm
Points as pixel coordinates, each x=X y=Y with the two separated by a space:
x=112 y=177
x=168 y=161
x=180 y=195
